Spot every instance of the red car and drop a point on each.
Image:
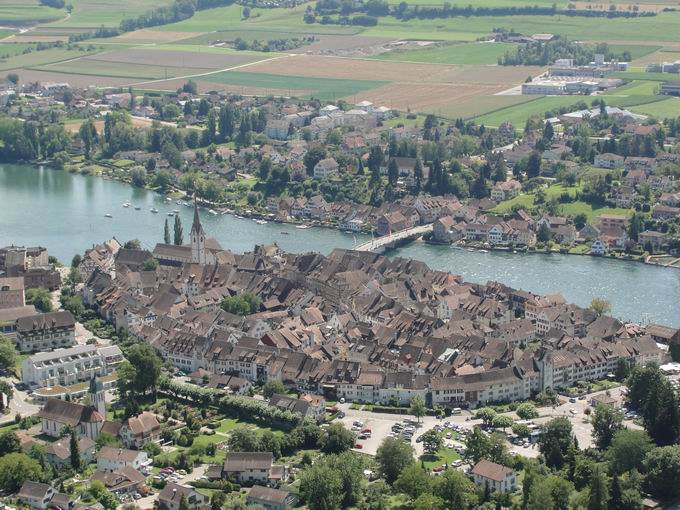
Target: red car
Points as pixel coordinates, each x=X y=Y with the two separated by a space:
x=359 y=446
x=366 y=431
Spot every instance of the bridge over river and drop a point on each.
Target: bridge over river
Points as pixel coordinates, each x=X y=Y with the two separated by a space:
x=380 y=244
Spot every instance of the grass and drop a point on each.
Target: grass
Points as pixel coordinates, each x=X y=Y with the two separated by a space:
x=118 y=69
x=37 y=58
x=9 y=50
x=473 y=53
x=321 y=88
x=666 y=108
x=481 y=105
x=443 y=455
x=95 y=13
x=527 y=200
x=634 y=75
x=23 y=11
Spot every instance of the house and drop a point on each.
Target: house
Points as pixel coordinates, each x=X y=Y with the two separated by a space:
x=126 y=480
x=140 y=430
x=250 y=467
x=36 y=495
x=111 y=458
x=277 y=129
x=495 y=477
x=609 y=160
x=12 y=292
x=326 y=168
x=655 y=239
x=664 y=212
x=309 y=406
x=392 y=222
x=448 y=230
x=599 y=247
x=603 y=399
x=58 y=453
x=171 y=495
x=271 y=499
x=505 y=190
x=45 y=332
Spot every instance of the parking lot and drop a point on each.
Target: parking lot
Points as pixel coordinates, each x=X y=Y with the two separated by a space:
x=381 y=425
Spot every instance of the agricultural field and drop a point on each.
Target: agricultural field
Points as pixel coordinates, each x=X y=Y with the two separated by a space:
x=473 y=53
x=38 y=58
x=27 y=11
x=95 y=13
x=321 y=88
x=88 y=67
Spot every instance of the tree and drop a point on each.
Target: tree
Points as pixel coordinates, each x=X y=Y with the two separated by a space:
x=392 y=172
x=166 y=233
x=413 y=481
x=337 y=439
x=272 y=387
x=76 y=461
x=178 y=231
x=486 y=414
x=9 y=443
x=662 y=468
x=315 y=154
x=393 y=456
x=544 y=234
x=600 y=306
x=428 y=502
x=321 y=487
x=539 y=497
x=555 y=441
x=628 y=450
x=432 y=441
x=147 y=367
x=243 y=439
x=13 y=78
x=375 y=497
x=599 y=490
x=39 y=298
x=607 y=421
x=502 y=422
x=88 y=135
x=15 y=469
x=244 y=304
x=8 y=354
x=521 y=430
x=103 y=496
x=417 y=407
x=106 y=439
x=455 y=489
x=526 y=411
x=351 y=469
x=534 y=165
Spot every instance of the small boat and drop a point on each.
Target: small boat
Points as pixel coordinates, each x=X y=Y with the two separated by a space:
x=168 y=199
x=188 y=204
x=260 y=222
x=175 y=211
x=171 y=214
x=179 y=202
x=126 y=204
x=153 y=210
x=108 y=215
x=483 y=251
x=137 y=208
x=285 y=233
x=302 y=226
x=212 y=211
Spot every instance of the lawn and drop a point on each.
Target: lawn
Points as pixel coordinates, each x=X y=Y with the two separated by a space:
x=321 y=88
x=527 y=200
x=443 y=455
x=474 y=53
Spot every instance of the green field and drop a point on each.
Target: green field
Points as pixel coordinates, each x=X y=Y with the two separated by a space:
x=37 y=58
x=321 y=88
x=95 y=13
x=119 y=70
x=8 y=50
x=636 y=87
x=18 y=11
x=527 y=200
x=480 y=105
x=443 y=456
x=669 y=107
x=475 y=53
x=632 y=75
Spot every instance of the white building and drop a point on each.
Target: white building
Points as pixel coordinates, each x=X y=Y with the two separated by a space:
x=495 y=477
x=70 y=366
x=111 y=459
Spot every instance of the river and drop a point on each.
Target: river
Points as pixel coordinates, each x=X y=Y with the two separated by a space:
x=65 y=212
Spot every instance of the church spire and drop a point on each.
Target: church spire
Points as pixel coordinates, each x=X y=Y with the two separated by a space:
x=196 y=226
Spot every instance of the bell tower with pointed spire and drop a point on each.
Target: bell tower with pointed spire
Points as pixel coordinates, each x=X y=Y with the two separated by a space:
x=197 y=239
x=96 y=394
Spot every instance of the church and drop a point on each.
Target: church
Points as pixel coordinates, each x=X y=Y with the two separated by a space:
x=85 y=420
x=201 y=250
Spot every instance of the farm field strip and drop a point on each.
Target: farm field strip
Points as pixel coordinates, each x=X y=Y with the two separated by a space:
x=38 y=58
x=169 y=58
x=113 y=69
x=95 y=13
x=472 y=53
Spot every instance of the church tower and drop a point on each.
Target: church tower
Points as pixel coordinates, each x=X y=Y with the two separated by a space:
x=96 y=394
x=197 y=239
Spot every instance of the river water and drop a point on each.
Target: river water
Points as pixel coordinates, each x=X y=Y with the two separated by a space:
x=65 y=212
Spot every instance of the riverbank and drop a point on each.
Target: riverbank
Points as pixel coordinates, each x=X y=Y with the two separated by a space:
x=66 y=213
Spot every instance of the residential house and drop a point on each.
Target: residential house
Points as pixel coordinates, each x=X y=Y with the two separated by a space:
x=36 y=495
x=45 y=332
x=171 y=495
x=271 y=499
x=608 y=160
x=250 y=467
x=12 y=292
x=140 y=430
x=58 y=453
x=326 y=168
x=492 y=476
x=111 y=458
x=126 y=480
x=505 y=190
